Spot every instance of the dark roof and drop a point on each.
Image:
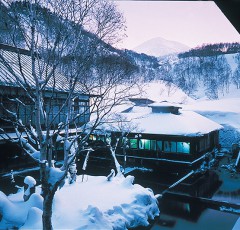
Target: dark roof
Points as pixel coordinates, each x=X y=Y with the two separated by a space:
x=11 y=73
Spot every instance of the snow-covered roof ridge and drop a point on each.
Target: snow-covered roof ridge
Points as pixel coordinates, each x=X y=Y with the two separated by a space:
x=187 y=123
x=165 y=104
x=165 y=107
x=11 y=73
x=167 y=122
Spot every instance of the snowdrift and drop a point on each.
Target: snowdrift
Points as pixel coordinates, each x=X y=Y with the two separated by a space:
x=93 y=203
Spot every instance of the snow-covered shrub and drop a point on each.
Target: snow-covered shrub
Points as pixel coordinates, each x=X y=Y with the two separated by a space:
x=29 y=187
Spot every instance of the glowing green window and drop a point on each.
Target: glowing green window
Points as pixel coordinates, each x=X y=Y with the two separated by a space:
x=144 y=144
x=133 y=143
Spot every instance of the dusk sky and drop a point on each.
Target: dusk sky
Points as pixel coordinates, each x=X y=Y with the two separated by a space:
x=189 y=22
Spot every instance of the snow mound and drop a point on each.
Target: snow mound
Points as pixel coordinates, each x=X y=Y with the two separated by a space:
x=92 y=203
x=30 y=181
x=15 y=211
x=34 y=219
x=101 y=204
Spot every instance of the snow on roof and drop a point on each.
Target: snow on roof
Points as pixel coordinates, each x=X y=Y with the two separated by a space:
x=164 y=104
x=186 y=123
x=13 y=77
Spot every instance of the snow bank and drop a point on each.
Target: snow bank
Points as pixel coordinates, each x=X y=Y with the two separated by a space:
x=94 y=203
x=101 y=204
x=15 y=211
x=225 y=112
x=34 y=219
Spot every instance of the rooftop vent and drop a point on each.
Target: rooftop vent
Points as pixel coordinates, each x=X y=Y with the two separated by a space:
x=164 y=107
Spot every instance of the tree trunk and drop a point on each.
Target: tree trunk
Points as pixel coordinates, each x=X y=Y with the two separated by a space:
x=48 y=192
x=47 y=211
x=73 y=172
x=117 y=165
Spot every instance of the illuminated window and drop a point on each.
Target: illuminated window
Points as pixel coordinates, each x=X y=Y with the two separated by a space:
x=183 y=147
x=153 y=145
x=144 y=144
x=170 y=146
x=92 y=137
x=133 y=143
x=159 y=146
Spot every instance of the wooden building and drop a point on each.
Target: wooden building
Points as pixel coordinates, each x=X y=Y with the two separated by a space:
x=55 y=93
x=16 y=82
x=164 y=137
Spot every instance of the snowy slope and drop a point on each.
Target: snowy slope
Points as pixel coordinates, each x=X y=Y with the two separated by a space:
x=156 y=91
x=160 y=47
x=162 y=91
x=230 y=92
x=226 y=112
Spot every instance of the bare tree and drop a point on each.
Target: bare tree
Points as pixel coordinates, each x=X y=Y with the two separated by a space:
x=55 y=33
x=236 y=73
x=186 y=74
x=113 y=131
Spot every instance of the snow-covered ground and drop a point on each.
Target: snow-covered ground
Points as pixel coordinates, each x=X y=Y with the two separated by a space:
x=225 y=111
x=91 y=203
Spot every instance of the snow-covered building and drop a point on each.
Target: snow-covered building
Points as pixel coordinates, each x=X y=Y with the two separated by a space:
x=16 y=88
x=16 y=79
x=163 y=135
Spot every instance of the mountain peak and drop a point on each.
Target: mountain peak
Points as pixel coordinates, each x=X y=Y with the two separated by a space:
x=159 y=47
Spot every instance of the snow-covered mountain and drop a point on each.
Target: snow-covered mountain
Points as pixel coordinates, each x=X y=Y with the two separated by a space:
x=160 y=47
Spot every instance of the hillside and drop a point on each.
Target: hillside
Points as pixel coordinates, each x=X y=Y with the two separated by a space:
x=211 y=76
x=212 y=50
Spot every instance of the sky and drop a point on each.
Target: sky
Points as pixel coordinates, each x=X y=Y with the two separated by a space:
x=192 y=23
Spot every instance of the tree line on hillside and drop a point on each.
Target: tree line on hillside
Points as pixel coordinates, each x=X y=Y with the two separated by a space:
x=211 y=73
x=205 y=67
x=50 y=22
x=212 y=50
